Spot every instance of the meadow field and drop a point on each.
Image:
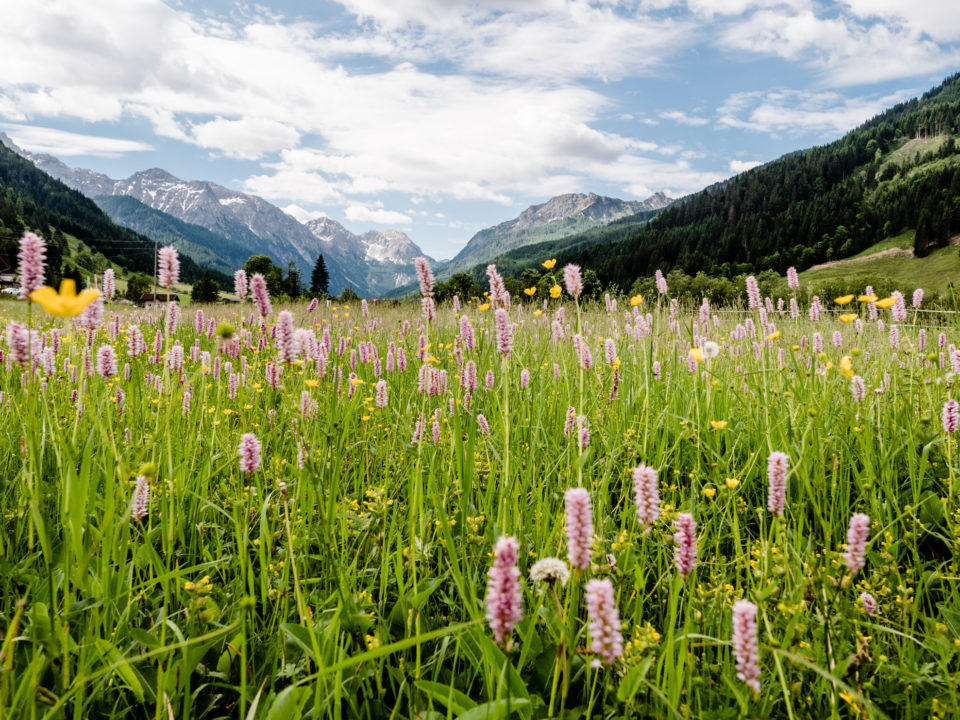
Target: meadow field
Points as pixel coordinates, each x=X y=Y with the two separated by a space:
x=519 y=507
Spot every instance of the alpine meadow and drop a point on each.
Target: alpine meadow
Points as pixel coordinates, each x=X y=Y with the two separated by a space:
x=480 y=360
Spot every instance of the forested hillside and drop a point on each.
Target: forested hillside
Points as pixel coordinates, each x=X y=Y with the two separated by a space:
x=808 y=207
x=31 y=199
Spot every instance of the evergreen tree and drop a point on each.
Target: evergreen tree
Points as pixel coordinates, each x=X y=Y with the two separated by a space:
x=320 y=280
x=291 y=284
x=205 y=290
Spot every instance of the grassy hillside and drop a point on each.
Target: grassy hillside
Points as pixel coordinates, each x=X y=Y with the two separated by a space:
x=899 y=170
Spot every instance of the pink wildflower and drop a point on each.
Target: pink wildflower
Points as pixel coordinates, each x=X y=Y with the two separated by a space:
x=240 y=284
x=745 y=646
x=573 y=280
x=249 y=452
x=109 y=286
x=168 y=267
x=106 y=361
x=260 y=295
x=579 y=527
x=606 y=639
x=286 y=352
x=856 y=542
x=424 y=276
x=858 y=388
x=869 y=603
x=777 y=482
x=141 y=499
x=504 y=597
x=685 y=539
x=950 y=416
x=661 y=282
x=32 y=257
x=381 y=393
x=504 y=333
x=792 y=280
x=646 y=496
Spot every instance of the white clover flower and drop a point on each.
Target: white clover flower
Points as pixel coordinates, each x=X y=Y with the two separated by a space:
x=550 y=570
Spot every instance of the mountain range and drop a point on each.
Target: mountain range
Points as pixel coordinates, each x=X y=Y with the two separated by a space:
x=221 y=227
x=559 y=217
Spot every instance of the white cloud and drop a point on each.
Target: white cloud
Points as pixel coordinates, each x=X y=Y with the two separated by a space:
x=62 y=143
x=845 y=51
x=302 y=214
x=794 y=111
x=362 y=213
x=247 y=138
x=681 y=117
x=739 y=166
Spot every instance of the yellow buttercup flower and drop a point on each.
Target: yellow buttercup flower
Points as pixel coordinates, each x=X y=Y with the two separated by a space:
x=732 y=483
x=774 y=335
x=885 y=303
x=555 y=291
x=356 y=381
x=848 y=317
x=696 y=354
x=311 y=383
x=844 y=300
x=548 y=264
x=538 y=312
x=718 y=424
x=484 y=307
x=846 y=366
x=636 y=300
x=867 y=298
x=66 y=303
x=530 y=291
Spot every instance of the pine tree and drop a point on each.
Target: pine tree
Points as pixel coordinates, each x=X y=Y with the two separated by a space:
x=320 y=280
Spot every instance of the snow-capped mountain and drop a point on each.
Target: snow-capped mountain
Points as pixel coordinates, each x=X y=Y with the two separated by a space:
x=371 y=263
x=387 y=255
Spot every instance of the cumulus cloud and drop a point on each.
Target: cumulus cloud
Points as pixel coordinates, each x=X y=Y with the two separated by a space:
x=739 y=166
x=376 y=214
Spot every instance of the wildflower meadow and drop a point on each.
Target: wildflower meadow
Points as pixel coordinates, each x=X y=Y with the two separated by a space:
x=495 y=507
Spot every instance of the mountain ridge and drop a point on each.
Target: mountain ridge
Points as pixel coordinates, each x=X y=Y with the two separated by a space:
x=252 y=223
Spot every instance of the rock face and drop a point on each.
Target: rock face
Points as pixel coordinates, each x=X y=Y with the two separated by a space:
x=560 y=216
x=370 y=264
x=385 y=258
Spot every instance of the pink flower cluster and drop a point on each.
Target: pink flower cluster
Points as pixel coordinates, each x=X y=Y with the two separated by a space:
x=646 y=496
x=168 y=266
x=261 y=298
x=685 y=544
x=606 y=640
x=777 y=482
x=950 y=416
x=504 y=598
x=573 y=280
x=33 y=261
x=857 y=534
x=579 y=527
x=249 y=452
x=745 y=647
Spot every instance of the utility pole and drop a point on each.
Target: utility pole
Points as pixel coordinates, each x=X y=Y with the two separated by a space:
x=156 y=252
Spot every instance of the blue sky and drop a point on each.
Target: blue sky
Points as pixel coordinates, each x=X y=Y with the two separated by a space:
x=440 y=117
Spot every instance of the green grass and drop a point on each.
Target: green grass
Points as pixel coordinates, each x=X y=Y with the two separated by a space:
x=908 y=151
x=903 y=241
x=345 y=577
x=934 y=273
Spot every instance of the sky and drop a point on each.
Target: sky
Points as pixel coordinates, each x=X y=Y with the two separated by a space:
x=441 y=117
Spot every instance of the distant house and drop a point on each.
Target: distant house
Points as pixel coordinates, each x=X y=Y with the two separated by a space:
x=8 y=280
x=148 y=298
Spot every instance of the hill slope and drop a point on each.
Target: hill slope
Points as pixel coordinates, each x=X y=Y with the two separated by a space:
x=31 y=198
x=811 y=206
x=212 y=250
